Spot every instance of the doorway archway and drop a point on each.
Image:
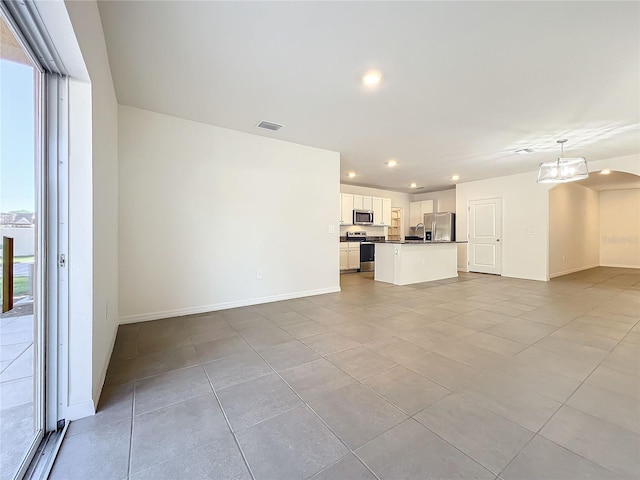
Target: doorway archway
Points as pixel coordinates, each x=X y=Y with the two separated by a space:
x=594 y=222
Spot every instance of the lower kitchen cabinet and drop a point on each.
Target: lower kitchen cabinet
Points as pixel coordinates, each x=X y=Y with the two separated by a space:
x=349 y=255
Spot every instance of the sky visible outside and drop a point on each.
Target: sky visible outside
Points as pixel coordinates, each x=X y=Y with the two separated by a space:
x=17 y=137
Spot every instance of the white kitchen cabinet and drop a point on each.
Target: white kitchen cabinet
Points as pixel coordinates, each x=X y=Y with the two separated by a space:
x=417 y=211
x=349 y=255
x=381 y=208
x=378 y=215
x=346 y=209
x=381 y=211
x=354 y=257
x=362 y=202
x=386 y=211
x=415 y=216
x=344 y=257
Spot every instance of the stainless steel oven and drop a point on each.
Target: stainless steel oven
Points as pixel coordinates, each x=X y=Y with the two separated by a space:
x=367 y=250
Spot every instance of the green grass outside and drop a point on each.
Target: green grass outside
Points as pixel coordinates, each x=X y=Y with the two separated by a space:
x=20 y=286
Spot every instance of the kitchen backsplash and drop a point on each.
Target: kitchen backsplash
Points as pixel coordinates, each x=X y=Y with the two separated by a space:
x=371 y=231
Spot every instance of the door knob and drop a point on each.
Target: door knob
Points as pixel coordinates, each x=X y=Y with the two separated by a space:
x=498 y=240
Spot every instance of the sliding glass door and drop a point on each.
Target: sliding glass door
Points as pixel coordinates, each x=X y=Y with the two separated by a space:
x=21 y=211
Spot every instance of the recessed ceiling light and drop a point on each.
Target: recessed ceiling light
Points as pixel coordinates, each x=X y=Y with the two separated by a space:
x=455 y=177
x=605 y=171
x=351 y=174
x=525 y=151
x=391 y=163
x=371 y=78
x=413 y=185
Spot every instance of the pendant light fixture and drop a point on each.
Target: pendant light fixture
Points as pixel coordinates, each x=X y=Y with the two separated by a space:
x=563 y=170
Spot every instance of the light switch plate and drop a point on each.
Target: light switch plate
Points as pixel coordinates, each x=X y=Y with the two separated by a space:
x=331 y=229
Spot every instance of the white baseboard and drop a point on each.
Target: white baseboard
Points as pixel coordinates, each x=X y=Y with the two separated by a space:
x=573 y=270
x=80 y=410
x=143 y=317
x=618 y=266
x=97 y=392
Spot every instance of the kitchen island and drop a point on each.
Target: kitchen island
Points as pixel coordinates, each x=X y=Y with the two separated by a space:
x=405 y=263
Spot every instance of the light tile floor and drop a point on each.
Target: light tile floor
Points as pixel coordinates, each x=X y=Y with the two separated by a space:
x=16 y=389
x=474 y=377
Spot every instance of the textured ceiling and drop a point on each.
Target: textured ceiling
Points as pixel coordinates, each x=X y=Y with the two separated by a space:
x=464 y=85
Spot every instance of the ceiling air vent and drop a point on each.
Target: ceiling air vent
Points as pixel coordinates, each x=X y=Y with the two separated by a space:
x=270 y=126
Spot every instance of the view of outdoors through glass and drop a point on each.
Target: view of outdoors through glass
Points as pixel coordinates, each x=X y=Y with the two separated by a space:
x=18 y=349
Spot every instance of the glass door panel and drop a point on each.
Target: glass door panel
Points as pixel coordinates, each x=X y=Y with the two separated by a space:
x=21 y=370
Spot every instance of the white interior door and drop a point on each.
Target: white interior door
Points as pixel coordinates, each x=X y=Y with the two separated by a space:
x=485 y=236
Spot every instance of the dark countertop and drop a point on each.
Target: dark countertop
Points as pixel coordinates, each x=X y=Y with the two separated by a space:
x=372 y=239
x=420 y=242
x=397 y=242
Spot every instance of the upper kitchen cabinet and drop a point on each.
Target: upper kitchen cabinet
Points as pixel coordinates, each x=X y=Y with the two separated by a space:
x=386 y=211
x=377 y=211
x=381 y=211
x=417 y=211
x=362 y=202
x=346 y=209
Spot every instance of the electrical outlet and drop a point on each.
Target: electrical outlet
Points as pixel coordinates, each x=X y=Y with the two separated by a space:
x=259 y=273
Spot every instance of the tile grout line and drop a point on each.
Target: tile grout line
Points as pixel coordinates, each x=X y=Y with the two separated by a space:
x=537 y=433
x=312 y=410
x=569 y=397
x=16 y=359
x=133 y=410
x=133 y=416
x=226 y=419
x=362 y=384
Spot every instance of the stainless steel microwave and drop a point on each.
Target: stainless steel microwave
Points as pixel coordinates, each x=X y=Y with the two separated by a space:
x=362 y=217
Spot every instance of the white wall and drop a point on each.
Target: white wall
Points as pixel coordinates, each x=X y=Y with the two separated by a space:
x=443 y=200
x=524 y=222
x=574 y=227
x=81 y=400
x=525 y=216
x=76 y=31
x=620 y=228
x=398 y=199
x=202 y=208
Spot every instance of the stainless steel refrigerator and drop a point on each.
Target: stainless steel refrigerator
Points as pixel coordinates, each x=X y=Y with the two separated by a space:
x=442 y=226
